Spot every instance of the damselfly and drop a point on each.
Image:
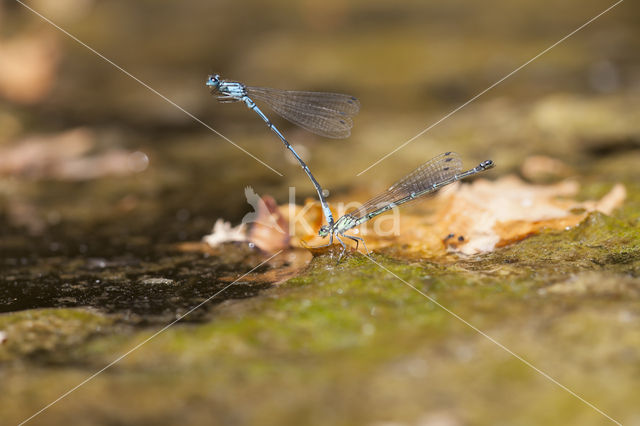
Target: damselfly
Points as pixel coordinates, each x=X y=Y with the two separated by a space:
x=326 y=114
x=425 y=180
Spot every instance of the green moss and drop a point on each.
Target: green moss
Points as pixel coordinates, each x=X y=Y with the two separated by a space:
x=48 y=333
x=351 y=337
x=599 y=242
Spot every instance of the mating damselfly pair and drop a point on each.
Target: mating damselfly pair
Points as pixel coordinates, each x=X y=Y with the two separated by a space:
x=330 y=115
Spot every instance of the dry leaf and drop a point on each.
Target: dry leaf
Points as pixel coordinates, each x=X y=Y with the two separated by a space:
x=282 y=267
x=224 y=232
x=65 y=156
x=36 y=156
x=266 y=226
x=540 y=168
x=494 y=214
x=270 y=231
x=28 y=66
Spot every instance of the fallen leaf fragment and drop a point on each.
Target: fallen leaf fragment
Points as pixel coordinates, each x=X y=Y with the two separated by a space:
x=540 y=168
x=281 y=268
x=65 y=156
x=28 y=66
x=224 y=232
x=266 y=227
x=494 y=214
x=269 y=230
x=37 y=156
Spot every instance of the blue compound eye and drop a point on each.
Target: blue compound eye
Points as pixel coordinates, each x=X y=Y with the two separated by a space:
x=324 y=231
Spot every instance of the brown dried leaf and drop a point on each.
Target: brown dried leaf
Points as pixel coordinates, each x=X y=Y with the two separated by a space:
x=281 y=268
x=28 y=66
x=224 y=232
x=266 y=226
x=270 y=231
x=494 y=214
x=541 y=168
x=37 y=156
x=64 y=156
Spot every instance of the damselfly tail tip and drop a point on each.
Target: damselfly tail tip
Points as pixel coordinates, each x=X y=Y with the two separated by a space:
x=486 y=165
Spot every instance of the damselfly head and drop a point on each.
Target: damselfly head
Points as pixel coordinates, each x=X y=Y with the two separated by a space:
x=324 y=231
x=213 y=81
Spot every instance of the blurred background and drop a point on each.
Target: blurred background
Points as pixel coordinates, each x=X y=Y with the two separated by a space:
x=85 y=149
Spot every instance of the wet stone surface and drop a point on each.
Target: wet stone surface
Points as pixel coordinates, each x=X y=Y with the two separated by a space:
x=155 y=288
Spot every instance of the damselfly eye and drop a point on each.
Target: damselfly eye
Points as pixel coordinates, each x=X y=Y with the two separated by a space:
x=324 y=231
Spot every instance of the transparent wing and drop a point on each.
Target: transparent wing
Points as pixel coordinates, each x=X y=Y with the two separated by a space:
x=326 y=114
x=426 y=179
x=436 y=170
